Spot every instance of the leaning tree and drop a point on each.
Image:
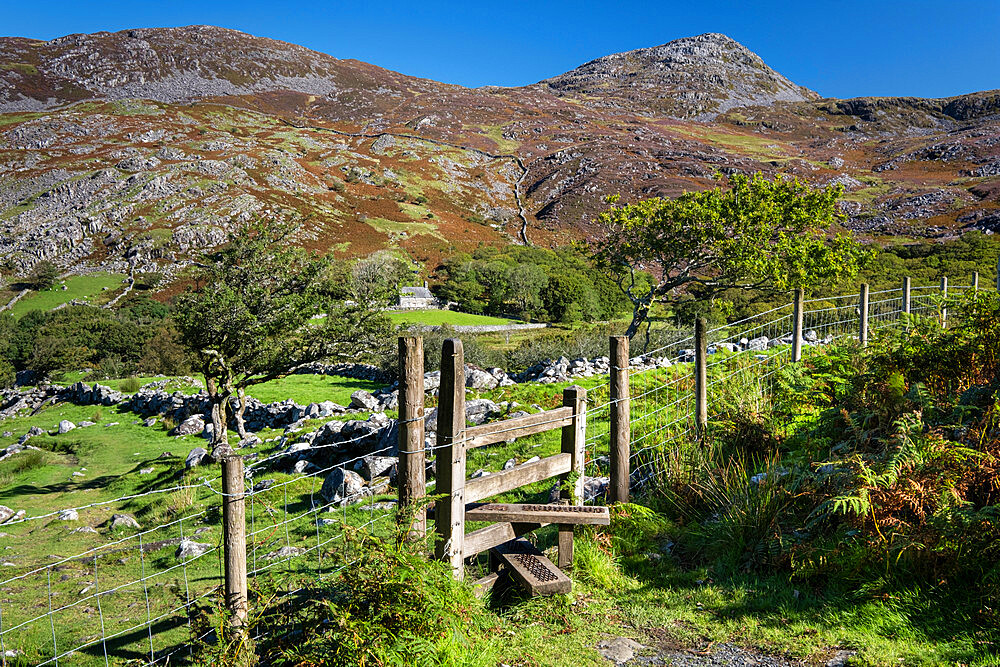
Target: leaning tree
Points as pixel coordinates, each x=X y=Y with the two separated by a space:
x=756 y=234
x=261 y=307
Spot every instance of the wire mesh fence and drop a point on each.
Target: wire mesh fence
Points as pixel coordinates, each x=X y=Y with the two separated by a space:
x=108 y=591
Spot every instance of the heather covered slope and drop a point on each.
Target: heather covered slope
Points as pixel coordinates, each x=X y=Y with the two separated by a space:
x=139 y=148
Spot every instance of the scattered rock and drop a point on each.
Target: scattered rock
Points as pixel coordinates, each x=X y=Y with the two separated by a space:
x=195 y=457
x=618 y=650
x=189 y=426
x=65 y=426
x=190 y=549
x=69 y=515
x=285 y=552
x=123 y=521
x=362 y=400
x=342 y=486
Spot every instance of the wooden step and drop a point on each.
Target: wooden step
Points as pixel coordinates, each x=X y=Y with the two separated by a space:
x=519 y=513
x=536 y=573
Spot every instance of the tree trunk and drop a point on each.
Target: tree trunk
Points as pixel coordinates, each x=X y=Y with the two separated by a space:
x=640 y=312
x=241 y=408
x=220 y=432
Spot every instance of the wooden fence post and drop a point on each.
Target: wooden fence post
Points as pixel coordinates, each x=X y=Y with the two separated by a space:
x=701 y=375
x=863 y=334
x=573 y=438
x=906 y=295
x=620 y=445
x=944 y=308
x=234 y=537
x=411 y=474
x=449 y=512
x=975 y=281
x=797 y=324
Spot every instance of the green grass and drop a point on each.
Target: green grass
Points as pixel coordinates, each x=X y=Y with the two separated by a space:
x=439 y=317
x=86 y=288
x=305 y=389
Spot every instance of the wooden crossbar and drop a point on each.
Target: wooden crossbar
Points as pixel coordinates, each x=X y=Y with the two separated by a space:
x=561 y=514
x=508 y=480
x=518 y=427
x=494 y=535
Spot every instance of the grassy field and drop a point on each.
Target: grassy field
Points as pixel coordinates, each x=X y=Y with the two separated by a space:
x=439 y=317
x=117 y=458
x=85 y=288
x=631 y=579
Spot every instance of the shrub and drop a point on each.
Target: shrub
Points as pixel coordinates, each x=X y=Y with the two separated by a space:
x=131 y=385
x=389 y=606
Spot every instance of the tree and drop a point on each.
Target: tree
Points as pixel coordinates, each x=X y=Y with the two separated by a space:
x=526 y=282
x=380 y=273
x=762 y=235
x=43 y=275
x=251 y=318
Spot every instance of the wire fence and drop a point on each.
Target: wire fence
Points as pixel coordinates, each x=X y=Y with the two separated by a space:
x=122 y=593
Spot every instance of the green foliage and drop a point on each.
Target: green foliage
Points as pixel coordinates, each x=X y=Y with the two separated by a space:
x=871 y=470
x=131 y=385
x=391 y=606
x=43 y=275
x=8 y=374
x=533 y=283
x=248 y=321
x=758 y=235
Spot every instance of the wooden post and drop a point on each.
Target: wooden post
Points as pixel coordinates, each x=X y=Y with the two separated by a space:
x=797 y=324
x=975 y=281
x=944 y=308
x=863 y=335
x=906 y=295
x=573 y=438
x=449 y=512
x=411 y=474
x=234 y=537
x=620 y=445
x=701 y=375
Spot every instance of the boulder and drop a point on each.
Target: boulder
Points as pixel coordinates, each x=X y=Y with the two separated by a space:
x=342 y=487
x=69 y=515
x=285 y=552
x=122 y=521
x=478 y=379
x=378 y=466
x=190 y=426
x=362 y=400
x=757 y=344
x=477 y=410
x=195 y=457
x=65 y=426
x=191 y=549
x=6 y=514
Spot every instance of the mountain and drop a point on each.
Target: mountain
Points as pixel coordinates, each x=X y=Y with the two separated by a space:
x=138 y=149
x=696 y=77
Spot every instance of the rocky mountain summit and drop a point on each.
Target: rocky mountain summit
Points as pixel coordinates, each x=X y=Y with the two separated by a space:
x=694 y=77
x=170 y=65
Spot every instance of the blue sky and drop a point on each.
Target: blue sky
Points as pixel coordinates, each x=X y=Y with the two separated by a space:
x=839 y=49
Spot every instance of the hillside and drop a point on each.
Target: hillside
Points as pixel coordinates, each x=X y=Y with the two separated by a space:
x=137 y=149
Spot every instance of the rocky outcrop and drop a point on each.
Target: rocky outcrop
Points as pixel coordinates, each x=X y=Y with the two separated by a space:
x=693 y=77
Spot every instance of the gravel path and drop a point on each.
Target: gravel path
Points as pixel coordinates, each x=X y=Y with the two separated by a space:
x=626 y=652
